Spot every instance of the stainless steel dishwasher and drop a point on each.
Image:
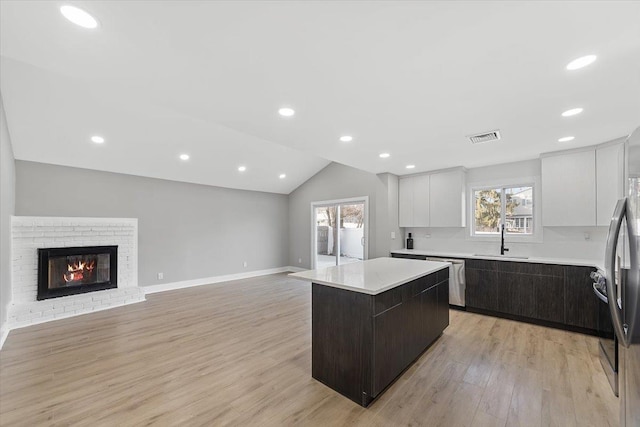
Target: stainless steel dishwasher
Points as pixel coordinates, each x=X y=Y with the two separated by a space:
x=457 y=282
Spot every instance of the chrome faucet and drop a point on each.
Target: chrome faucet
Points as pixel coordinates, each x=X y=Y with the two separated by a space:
x=502 y=248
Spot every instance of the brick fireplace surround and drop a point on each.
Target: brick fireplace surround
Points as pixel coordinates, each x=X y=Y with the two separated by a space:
x=30 y=233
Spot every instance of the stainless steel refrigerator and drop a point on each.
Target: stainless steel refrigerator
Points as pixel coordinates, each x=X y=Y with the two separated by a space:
x=622 y=268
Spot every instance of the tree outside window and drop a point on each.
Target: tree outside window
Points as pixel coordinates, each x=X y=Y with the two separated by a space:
x=511 y=206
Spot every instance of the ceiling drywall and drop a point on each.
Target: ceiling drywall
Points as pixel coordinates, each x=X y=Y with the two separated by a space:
x=161 y=78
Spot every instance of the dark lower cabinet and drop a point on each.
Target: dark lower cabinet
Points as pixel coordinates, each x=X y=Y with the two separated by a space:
x=554 y=295
x=481 y=289
x=581 y=303
x=391 y=346
x=549 y=298
x=516 y=294
x=340 y=317
x=442 y=316
x=409 y=256
x=361 y=343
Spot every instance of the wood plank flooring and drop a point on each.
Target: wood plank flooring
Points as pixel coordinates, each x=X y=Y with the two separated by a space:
x=239 y=354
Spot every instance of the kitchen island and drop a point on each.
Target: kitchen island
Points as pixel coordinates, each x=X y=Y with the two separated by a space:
x=372 y=319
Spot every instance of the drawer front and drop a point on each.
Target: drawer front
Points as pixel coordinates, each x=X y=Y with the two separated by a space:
x=530 y=269
x=481 y=264
x=419 y=285
x=387 y=299
x=405 y=292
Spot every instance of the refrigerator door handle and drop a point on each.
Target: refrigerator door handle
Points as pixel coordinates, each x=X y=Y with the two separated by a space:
x=610 y=265
x=632 y=286
x=602 y=298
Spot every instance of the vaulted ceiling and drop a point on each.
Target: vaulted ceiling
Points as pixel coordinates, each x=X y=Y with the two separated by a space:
x=158 y=79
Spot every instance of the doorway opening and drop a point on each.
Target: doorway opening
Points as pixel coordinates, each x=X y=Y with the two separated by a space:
x=339 y=231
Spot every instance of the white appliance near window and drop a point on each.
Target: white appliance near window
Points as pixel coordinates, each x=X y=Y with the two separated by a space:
x=622 y=269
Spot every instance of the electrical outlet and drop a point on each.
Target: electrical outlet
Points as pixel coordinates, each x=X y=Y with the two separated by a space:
x=160 y=276
x=244 y=264
x=393 y=234
x=299 y=260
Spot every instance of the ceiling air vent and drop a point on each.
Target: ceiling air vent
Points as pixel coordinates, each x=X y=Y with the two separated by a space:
x=484 y=137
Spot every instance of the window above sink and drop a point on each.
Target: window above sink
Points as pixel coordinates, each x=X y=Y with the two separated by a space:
x=514 y=204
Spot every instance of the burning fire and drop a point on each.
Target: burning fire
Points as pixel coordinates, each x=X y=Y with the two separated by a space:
x=78 y=270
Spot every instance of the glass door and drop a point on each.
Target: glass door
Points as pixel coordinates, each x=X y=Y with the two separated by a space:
x=339 y=232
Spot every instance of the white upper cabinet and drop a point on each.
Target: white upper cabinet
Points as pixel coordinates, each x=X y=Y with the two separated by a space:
x=432 y=200
x=609 y=180
x=580 y=188
x=405 y=202
x=569 y=189
x=413 y=201
x=421 y=197
x=447 y=198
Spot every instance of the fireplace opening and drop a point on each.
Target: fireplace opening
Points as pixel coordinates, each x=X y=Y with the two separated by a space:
x=70 y=271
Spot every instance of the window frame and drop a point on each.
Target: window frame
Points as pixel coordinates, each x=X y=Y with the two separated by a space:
x=534 y=182
x=338 y=203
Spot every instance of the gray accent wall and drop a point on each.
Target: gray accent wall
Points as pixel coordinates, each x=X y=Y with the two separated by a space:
x=335 y=182
x=7 y=208
x=186 y=231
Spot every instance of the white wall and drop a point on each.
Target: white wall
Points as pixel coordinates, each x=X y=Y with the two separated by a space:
x=186 y=231
x=337 y=181
x=7 y=207
x=561 y=242
x=558 y=242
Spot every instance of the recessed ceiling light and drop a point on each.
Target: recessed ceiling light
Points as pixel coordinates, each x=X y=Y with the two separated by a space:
x=242 y=168
x=583 y=61
x=410 y=166
x=184 y=157
x=286 y=112
x=566 y=139
x=97 y=139
x=78 y=16
x=346 y=138
x=384 y=155
x=572 y=112
x=283 y=176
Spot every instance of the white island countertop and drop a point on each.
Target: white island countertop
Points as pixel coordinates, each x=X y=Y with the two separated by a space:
x=373 y=276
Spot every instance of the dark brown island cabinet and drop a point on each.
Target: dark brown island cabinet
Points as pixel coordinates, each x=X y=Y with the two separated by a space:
x=362 y=340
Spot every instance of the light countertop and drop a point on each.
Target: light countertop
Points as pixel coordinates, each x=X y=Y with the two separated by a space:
x=372 y=276
x=538 y=260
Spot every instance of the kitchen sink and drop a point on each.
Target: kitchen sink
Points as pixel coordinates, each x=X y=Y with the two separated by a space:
x=502 y=256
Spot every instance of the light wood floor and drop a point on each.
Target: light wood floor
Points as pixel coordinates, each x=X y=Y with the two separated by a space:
x=240 y=354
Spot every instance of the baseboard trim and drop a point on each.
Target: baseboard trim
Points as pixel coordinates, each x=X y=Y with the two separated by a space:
x=152 y=289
